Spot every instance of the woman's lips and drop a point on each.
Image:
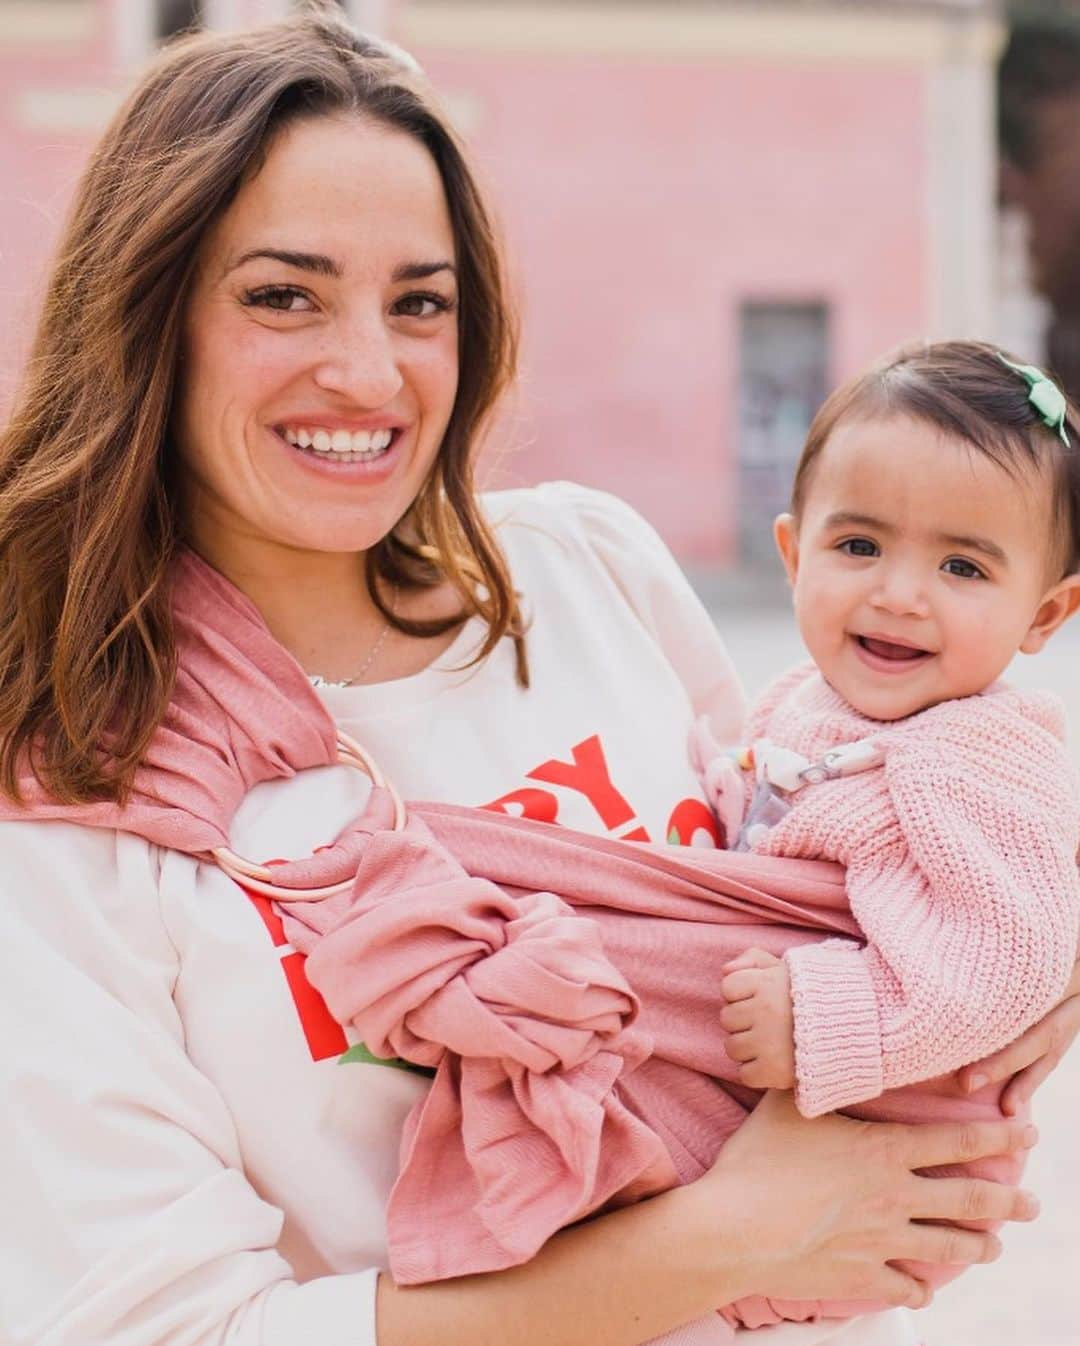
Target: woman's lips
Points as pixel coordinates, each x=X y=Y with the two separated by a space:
x=886 y=656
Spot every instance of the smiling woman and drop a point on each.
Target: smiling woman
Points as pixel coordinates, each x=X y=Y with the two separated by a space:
x=319 y=378
x=241 y=469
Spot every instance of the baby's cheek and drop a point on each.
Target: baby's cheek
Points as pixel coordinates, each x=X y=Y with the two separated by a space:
x=977 y=653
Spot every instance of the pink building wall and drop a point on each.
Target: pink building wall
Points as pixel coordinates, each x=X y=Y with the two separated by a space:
x=42 y=152
x=641 y=201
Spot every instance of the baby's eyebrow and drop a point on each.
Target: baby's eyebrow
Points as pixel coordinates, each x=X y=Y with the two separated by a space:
x=974 y=543
x=845 y=518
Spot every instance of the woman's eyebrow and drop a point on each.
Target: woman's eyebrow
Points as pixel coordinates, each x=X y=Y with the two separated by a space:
x=322 y=265
x=304 y=261
x=421 y=270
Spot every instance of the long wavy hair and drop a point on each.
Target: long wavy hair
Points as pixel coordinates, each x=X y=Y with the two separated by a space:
x=88 y=501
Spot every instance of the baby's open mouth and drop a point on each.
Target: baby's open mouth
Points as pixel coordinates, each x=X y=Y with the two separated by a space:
x=887 y=649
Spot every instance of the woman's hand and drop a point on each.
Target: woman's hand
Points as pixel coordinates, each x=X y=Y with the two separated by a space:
x=823 y=1207
x=1031 y=1058
x=792 y=1209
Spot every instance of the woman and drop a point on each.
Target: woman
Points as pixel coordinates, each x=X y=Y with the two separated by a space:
x=274 y=329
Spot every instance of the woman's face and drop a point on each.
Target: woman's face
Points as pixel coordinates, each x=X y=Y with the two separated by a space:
x=320 y=360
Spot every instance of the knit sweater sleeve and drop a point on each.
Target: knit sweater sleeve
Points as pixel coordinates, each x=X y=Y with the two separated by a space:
x=963 y=877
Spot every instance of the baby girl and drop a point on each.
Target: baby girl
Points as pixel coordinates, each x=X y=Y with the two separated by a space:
x=934 y=532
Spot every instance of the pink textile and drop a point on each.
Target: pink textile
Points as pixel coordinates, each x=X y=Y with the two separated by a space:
x=242 y=711
x=579 y=1063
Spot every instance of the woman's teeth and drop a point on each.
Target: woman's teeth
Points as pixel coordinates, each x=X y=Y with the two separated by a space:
x=347 y=446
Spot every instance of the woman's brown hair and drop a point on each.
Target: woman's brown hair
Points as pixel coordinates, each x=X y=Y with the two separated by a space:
x=966 y=390
x=88 y=505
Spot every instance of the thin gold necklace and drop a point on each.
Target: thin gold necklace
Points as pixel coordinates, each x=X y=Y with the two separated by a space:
x=317 y=680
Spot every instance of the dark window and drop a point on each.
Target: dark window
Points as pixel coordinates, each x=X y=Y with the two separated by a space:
x=172 y=17
x=783 y=372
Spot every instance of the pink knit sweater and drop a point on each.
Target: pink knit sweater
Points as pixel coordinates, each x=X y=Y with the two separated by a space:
x=961 y=858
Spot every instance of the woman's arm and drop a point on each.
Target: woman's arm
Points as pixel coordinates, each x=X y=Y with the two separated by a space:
x=1031 y=1058
x=792 y=1209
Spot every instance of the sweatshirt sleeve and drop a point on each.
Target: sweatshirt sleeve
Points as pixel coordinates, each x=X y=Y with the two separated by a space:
x=127 y=1218
x=964 y=881
x=654 y=586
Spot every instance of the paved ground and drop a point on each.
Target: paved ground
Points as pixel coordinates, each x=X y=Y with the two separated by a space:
x=1031 y=1297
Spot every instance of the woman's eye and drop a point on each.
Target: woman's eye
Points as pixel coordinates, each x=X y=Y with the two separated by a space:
x=421 y=305
x=279 y=298
x=859 y=546
x=965 y=570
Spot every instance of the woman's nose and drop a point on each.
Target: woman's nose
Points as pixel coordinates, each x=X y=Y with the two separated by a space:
x=362 y=365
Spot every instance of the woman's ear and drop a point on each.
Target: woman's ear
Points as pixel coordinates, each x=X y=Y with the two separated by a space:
x=786 y=537
x=1057 y=606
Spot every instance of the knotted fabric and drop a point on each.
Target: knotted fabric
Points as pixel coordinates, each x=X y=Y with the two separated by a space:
x=569 y=1034
x=563 y=987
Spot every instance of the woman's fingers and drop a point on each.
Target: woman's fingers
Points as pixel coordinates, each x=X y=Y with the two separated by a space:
x=955 y=1142
x=1041 y=1047
x=1030 y=1059
x=1020 y=1090
x=899 y=1288
x=971 y=1199
x=943 y=1245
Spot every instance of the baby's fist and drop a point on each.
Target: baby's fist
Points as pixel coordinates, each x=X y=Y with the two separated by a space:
x=759 y=1019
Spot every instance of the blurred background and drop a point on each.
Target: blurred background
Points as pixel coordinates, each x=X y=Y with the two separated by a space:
x=713 y=212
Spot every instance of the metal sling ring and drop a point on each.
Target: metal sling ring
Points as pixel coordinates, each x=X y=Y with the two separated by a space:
x=259 y=878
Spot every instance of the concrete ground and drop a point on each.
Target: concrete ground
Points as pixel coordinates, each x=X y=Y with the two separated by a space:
x=1031 y=1297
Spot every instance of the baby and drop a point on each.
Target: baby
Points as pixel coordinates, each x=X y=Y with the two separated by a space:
x=934 y=532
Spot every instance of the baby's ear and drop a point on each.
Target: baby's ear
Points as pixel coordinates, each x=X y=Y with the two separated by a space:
x=1057 y=606
x=786 y=537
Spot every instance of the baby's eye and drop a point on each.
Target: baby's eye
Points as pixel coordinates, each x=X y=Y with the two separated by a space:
x=962 y=568
x=859 y=546
x=279 y=298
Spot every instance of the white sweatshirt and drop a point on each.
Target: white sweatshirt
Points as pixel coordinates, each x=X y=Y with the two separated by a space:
x=183 y=1160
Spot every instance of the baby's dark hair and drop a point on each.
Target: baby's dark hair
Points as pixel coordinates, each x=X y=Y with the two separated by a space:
x=969 y=393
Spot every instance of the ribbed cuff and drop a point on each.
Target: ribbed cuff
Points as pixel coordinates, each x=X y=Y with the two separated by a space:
x=837 y=1027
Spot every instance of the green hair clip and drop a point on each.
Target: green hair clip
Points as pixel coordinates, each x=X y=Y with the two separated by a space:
x=1044 y=395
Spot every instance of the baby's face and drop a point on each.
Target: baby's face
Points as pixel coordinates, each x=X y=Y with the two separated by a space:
x=919 y=566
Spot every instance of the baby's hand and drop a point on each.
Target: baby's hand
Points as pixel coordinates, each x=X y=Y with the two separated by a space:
x=759 y=1018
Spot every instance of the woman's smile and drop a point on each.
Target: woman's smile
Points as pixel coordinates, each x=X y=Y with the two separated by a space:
x=344 y=450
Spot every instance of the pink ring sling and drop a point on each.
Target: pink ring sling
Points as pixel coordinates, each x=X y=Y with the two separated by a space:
x=563 y=989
